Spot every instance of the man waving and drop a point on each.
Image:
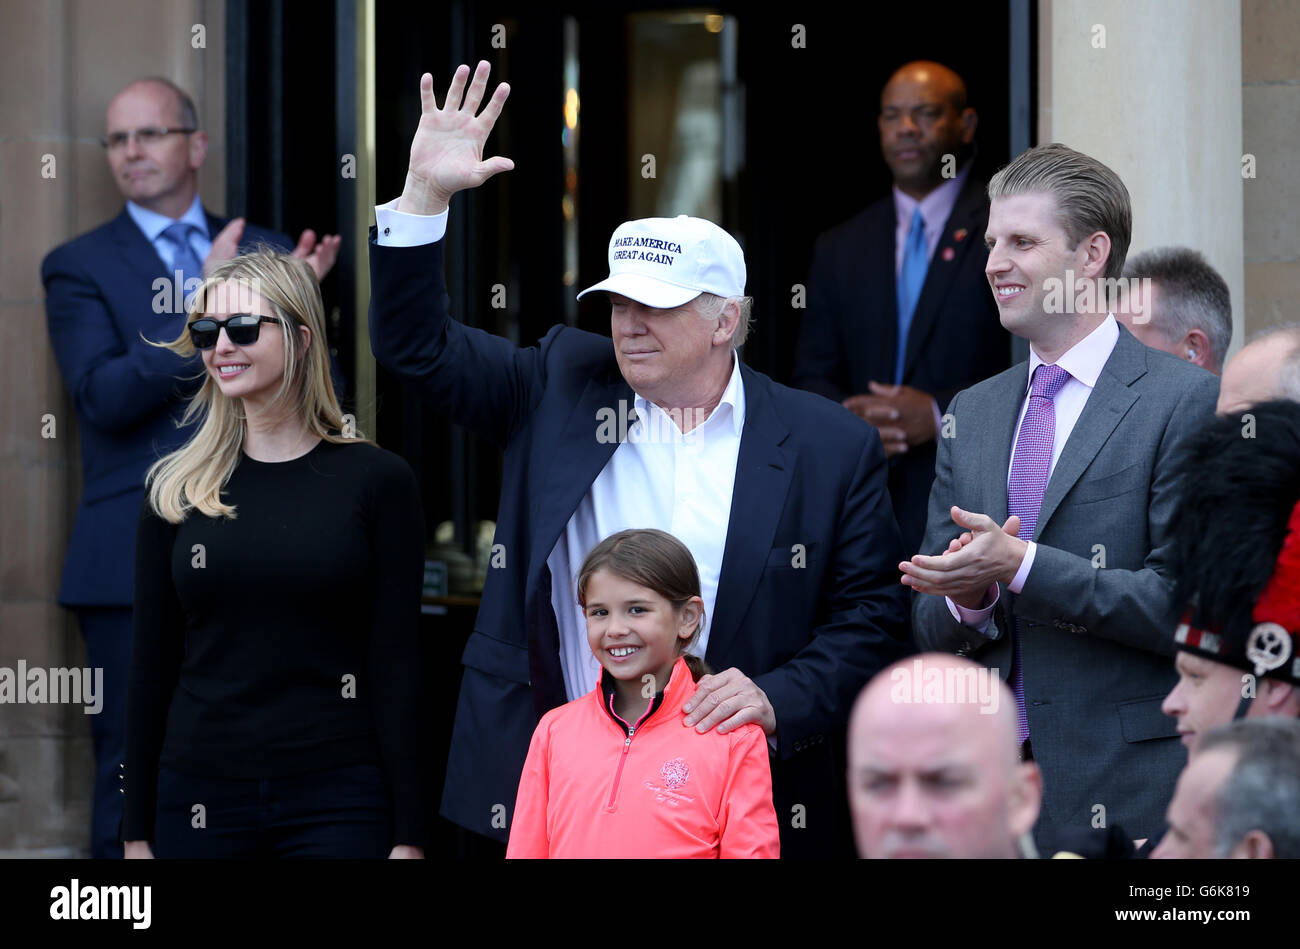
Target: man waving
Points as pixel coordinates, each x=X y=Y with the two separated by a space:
x=780 y=495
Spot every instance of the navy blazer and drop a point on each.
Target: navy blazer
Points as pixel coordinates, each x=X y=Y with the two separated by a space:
x=100 y=297
x=810 y=632
x=849 y=333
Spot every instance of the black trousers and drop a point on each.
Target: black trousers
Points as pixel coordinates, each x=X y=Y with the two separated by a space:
x=107 y=632
x=340 y=813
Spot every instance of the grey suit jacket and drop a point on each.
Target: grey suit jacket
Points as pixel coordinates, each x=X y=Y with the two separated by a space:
x=1096 y=613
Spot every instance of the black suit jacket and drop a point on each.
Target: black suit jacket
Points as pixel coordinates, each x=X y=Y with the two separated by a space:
x=809 y=624
x=849 y=335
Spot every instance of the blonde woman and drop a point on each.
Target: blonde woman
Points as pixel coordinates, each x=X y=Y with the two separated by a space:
x=272 y=706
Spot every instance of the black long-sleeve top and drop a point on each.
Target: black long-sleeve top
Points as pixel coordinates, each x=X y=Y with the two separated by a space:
x=286 y=640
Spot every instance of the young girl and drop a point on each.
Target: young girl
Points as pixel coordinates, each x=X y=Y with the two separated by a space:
x=615 y=773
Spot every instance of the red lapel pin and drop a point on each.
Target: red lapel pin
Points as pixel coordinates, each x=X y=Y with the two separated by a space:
x=959 y=235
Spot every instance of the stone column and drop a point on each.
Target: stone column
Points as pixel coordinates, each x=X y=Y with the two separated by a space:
x=1270 y=97
x=1153 y=89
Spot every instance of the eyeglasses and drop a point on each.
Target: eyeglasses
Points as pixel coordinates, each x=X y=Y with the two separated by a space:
x=242 y=329
x=150 y=135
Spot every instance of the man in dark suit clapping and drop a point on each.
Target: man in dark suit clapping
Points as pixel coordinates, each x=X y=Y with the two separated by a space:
x=899 y=317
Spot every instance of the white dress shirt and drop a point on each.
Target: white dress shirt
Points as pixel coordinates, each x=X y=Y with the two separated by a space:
x=1084 y=362
x=659 y=477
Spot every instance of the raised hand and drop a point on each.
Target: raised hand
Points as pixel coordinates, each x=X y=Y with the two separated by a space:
x=320 y=255
x=447 y=151
x=225 y=245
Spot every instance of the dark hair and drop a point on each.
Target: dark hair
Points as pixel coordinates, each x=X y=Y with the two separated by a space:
x=657 y=561
x=1192 y=295
x=1239 y=481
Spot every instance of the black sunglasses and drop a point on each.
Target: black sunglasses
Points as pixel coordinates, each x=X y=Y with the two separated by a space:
x=242 y=329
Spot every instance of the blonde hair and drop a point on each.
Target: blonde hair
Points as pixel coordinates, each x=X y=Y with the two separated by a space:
x=192 y=476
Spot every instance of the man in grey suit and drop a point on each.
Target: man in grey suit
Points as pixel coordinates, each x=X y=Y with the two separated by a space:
x=1070 y=598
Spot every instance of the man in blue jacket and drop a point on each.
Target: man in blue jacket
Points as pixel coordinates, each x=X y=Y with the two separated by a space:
x=104 y=290
x=779 y=494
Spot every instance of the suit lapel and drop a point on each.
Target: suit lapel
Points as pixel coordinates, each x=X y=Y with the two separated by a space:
x=569 y=477
x=136 y=251
x=139 y=253
x=763 y=473
x=876 y=291
x=883 y=280
x=573 y=470
x=1106 y=407
x=995 y=450
x=959 y=235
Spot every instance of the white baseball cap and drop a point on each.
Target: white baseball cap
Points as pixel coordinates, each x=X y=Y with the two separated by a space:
x=667 y=261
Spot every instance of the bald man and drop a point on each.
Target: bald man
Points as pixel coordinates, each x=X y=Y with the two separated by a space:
x=1267 y=368
x=900 y=315
x=934 y=768
x=105 y=290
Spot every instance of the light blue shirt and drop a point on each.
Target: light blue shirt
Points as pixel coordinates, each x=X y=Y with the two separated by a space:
x=152 y=224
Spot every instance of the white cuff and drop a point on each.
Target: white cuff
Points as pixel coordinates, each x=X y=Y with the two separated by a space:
x=396 y=228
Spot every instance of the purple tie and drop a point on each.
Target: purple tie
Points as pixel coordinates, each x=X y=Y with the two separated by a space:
x=1030 y=467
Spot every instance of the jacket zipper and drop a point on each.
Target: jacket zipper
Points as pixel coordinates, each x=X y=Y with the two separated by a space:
x=622 y=758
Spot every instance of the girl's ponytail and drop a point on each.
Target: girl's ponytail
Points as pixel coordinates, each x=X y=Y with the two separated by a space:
x=699 y=668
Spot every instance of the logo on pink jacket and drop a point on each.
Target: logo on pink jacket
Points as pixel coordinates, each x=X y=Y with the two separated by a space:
x=675 y=773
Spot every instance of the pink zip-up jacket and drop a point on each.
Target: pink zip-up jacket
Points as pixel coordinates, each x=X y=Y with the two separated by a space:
x=596 y=786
